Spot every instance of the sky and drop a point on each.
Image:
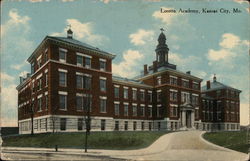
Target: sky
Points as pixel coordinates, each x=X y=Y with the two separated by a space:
x=204 y=43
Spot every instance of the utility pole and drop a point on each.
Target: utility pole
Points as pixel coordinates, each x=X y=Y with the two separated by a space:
x=87 y=121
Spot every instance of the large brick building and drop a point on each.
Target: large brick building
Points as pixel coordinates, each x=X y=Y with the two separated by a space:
x=67 y=76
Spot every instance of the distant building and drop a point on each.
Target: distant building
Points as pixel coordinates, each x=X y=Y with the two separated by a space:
x=67 y=73
x=220 y=106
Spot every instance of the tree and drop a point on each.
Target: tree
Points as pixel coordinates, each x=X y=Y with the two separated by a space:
x=87 y=120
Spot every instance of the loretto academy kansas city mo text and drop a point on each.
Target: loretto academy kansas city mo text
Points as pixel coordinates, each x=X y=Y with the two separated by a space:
x=70 y=79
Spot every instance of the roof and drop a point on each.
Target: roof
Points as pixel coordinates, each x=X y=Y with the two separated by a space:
x=164 y=68
x=215 y=85
x=130 y=81
x=74 y=42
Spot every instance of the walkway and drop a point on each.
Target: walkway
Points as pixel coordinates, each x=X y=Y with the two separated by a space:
x=181 y=146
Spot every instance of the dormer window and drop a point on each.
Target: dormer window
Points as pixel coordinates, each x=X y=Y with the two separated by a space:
x=102 y=64
x=62 y=55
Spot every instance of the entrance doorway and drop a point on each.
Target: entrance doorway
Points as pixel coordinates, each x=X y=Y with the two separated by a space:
x=188 y=119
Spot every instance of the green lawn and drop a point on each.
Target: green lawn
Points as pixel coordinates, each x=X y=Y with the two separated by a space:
x=97 y=140
x=230 y=139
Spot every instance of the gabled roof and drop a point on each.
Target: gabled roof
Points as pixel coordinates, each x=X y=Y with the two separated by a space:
x=215 y=85
x=73 y=42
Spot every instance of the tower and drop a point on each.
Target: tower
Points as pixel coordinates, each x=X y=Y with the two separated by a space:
x=162 y=49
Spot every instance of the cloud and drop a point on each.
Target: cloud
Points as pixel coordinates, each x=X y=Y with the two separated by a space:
x=6 y=77
x=141 y=36
x=9 y=106
x=166 y=18
x=241 y=1
x=130 y=61
x=83 y=31
x=230 y=45
x=23 y=74
x=19 y=66
x=216 y=55
x=229 y=41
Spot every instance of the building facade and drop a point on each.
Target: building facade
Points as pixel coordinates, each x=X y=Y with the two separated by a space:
x=69 y=78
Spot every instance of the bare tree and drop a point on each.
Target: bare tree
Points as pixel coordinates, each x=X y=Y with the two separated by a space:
x=87 y=120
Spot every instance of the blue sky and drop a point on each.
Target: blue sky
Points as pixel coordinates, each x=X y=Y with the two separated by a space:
x=203 y=43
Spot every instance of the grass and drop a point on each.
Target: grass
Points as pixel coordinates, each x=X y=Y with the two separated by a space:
x=96 y=140
x=235 y=140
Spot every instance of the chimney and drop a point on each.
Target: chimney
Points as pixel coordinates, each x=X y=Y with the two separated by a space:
x=69 y=34
x=145 y=69
x=208 y=84
x=155 y=66
x=188 y=72
x=21 y=79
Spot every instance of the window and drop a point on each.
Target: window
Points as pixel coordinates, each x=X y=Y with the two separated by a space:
x=87 y=82
x=158 y=111
x=79 y=103
x=63 y=101
x=195 y=85
x=173 y=110
x=79 y=60
x=185 y=97
x=103 y=105
x=158 y=95
x=142 y=125
x=46 y=102
x=117 y=110
x=125 y=92
x=102 y=64
x=87 y=102
x=142 y=111
x=62 y=79
x=218 y=93
x=46 y=55
x=116 y=125
x=134 y=94
x=134 y=125
x=87 y=62
x=195 y=99
x=116 y=92
x=185 y=83
x=126 y=125
x=150 y=111
x=150 y=126
x=134 y=110
x=103 y=84
x=142 y=95
x=83 y=81
x=103 y=122
x=46 y=79
x=39 y=84
x=150 y=97
x=173 y=95
x=62 y=55
x=159 y=125
x=39 y=104
x=159 y=80
x=63 y=124
x=39 y=62
x=173 y=80
x=80 y=124
x=125 y=109
x=32 y=67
